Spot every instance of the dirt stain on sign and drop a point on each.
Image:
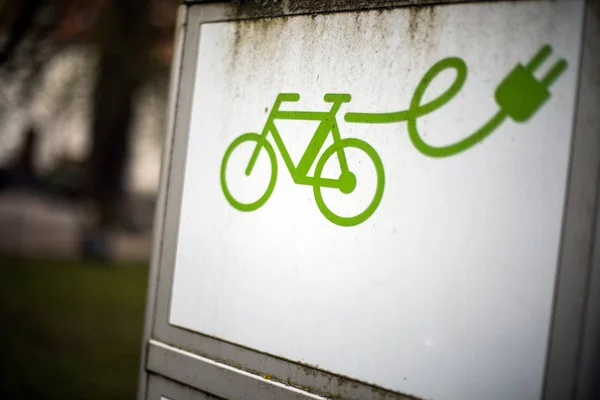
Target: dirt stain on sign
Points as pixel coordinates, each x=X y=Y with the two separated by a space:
x=250 y=37
x=421 y=22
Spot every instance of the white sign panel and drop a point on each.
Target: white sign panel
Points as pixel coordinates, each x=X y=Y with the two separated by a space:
x=380 y=194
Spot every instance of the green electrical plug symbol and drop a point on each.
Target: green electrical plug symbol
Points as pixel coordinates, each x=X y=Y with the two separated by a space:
x=519 y=96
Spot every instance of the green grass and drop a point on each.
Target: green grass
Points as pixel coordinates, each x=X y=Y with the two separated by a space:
x=70 y=330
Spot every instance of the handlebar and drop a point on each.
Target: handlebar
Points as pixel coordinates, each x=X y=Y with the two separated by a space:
x=337 y=97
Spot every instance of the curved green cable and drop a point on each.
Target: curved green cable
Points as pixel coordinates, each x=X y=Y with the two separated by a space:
x=417 y=110
x=454 y=148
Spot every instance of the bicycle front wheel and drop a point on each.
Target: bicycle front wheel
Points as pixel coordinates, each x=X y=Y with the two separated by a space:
x=264 y=143
x=380 y=183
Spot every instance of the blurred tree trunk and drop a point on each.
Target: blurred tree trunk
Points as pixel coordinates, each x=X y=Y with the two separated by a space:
x=112 y=115
x=123 y=57
x=20 y=28
x=130 y=37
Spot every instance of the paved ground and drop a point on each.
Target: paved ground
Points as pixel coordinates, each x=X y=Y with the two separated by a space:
x=40 y=226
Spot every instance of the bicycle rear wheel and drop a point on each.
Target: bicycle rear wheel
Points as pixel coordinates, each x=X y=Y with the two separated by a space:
x=374 y=203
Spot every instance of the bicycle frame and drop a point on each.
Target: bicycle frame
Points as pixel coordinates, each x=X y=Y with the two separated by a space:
x=328 y=124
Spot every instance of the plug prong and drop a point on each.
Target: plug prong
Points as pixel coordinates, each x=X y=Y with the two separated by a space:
x=554 y=73
x=539 y=58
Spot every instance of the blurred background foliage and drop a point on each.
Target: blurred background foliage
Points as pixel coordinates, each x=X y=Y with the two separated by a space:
x=128 y=48
x=82 y=84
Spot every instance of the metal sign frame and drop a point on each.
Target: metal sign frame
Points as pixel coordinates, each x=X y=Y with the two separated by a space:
x=229 y=371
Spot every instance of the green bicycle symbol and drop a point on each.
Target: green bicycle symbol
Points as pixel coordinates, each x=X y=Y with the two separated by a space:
x=346 y=182
x=519 y=96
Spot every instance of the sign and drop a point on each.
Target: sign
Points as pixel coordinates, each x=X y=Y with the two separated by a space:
x=379 y=194
x=519 y=96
